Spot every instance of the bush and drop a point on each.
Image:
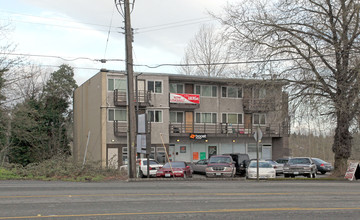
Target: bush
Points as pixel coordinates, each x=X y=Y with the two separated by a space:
x=60 y=168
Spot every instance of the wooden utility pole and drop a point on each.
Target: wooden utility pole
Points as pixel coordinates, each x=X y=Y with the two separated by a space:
x=130 y=89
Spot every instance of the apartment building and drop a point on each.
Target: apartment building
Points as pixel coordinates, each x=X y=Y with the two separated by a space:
x=189 y=117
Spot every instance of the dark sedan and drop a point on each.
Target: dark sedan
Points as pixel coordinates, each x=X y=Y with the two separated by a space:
x=199 y=166
x=322 y=166
x=175 y=169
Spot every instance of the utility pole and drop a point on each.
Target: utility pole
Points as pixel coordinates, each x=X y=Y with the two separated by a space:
x=130 y=89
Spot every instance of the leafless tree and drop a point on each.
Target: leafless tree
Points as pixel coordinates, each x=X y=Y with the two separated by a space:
x=206 y=54
x=314 y=45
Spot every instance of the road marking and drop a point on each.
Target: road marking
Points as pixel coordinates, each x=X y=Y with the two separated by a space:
x=185 y=212
x=183 y=194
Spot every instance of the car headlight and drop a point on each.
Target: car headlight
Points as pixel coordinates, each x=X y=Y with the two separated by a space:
x=228 y=169
x=307 y=168
x=286 y=168
x=208 y=169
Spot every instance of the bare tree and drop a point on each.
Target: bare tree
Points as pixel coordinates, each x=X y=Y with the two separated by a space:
x=314 y=45
x=206 y=54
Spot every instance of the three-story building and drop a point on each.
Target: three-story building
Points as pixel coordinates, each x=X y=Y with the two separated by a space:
x=192 y=117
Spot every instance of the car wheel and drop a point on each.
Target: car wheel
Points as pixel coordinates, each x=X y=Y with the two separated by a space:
x=286 y=175
x=323 y=172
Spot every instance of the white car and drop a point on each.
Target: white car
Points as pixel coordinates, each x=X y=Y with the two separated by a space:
x=279 y=168
x=266 y=170
x=141 y=165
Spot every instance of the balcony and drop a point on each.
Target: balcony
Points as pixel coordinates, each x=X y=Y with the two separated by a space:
x=184 y=101
x=120 y=97
x=228 y=130
x=259 y=105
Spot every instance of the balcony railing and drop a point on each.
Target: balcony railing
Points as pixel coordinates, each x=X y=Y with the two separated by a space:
x=226 y=129
x=121 y=128
x=259 y=105
x=120 y=97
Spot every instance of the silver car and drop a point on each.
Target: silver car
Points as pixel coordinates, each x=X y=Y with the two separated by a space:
x=199 y=166
x=300 y=166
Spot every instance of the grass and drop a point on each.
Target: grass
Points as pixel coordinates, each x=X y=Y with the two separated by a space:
x=60 y=168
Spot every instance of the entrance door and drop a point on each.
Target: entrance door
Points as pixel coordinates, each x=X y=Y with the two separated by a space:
x=189 y=122
x=212 y=150
x=248 y=123
x=189 y=88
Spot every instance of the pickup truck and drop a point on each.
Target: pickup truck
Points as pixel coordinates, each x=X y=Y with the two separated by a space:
x=220 y=166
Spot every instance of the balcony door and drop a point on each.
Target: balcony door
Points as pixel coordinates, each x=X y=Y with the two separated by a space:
x=141 y=90
x=189 y=88
x=248 y=123
x=189 y=122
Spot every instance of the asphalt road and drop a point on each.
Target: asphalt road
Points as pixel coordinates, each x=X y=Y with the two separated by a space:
x=216 y=199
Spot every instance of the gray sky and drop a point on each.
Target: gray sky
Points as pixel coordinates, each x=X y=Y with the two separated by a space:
x=79 y=28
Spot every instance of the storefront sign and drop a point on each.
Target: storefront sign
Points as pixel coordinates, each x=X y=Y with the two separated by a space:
x=195 y=155
x=202 y=155
x=182 y=149
x=184 y=98
x=198 y=136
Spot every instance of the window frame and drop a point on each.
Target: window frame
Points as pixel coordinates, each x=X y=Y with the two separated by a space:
x=177 y=84
x=154 y=112
x=226 y=95
x=114 y=83
x=213 y=115
x=154 y=85
x=176 y=115
x=114 y=110
x=199 y=91
x=260 y=118
x=226 y=114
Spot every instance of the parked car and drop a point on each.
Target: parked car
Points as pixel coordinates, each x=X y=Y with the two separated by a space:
x=300 y=166
x=175 y=169
x=282 y=160
x=220 y=166
x=322 y=166
x=266 y=170
x=279 y=168
x=141 y=163
x=240 y=162
x=199 y=166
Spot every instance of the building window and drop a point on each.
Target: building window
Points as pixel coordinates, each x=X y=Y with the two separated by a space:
x=232 y=118
x=231 y=92
x=259 y=119
x=206 y=117
x=119 y=84
x=155 y=86
x=176 y=117
x=259 y=93
x=176 y=88
x=206 y=90
x=117 y=115
x=155 y=116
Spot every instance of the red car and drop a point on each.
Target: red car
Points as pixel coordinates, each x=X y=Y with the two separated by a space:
x=177 y=169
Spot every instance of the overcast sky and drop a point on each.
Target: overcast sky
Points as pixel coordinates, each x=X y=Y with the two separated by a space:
x=73 y=29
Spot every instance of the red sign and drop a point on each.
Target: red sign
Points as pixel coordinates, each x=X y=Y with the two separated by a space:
x=184 y=98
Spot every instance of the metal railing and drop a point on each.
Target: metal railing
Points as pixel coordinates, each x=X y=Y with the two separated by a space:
x=226 y=129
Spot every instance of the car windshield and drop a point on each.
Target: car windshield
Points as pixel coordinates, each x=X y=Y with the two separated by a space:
x=299 y=161
x=175 y=165
x=317 y=160
x=220 y=160
x=151 y=162
x=261 y=164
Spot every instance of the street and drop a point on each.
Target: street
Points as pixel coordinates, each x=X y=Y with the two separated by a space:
x=167 y=199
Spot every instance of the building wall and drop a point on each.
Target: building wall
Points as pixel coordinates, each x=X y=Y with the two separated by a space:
x=88 y=120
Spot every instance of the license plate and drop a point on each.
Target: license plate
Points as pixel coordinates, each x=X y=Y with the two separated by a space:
x=296 y=173
x=167 y=174
x=218 y=174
